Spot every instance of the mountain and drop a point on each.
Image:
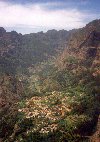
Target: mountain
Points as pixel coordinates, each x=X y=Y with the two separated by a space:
x=10 y=43
x=49 y=85
x=84 y=46
x=18 y=52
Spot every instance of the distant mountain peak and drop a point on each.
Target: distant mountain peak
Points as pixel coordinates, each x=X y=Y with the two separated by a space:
x=2 y=30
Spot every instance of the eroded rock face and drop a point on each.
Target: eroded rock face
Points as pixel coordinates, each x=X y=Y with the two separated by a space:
x=84 y=45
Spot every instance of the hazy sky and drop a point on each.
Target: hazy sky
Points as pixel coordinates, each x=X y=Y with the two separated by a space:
x=27 y=16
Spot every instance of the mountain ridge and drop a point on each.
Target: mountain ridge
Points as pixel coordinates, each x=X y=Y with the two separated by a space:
x=50 y=85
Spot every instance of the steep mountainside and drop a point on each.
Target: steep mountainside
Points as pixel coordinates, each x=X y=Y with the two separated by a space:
x=82 y=59
x=10 y=46
x=18 y=52
x=50 y=85
x=84 y=45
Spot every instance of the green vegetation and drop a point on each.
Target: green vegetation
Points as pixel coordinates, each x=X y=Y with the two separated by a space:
x=59 y=116
x=42 y=100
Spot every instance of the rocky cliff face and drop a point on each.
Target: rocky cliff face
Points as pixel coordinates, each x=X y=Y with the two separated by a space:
x=84 y=45
x=82 y=58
